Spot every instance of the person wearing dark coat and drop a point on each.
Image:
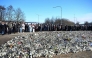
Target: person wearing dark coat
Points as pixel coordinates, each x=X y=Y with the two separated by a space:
x=6 y=26
x=39 y=27
x=49 y=27
x=18 y=27
x=0 y=27
x=66 y=28
x=14 y=28
x=25 y=27
x=44 y=27
x=52 y=27
x=90 y=27
x=3 y=28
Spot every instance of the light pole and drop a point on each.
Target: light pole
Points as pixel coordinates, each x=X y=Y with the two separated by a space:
x=61 y=12
x=75 y=19
x=38 y=17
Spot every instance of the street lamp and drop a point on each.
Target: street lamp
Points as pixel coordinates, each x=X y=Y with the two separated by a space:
x=38 y=17
x=61 y=12
x=75 y=19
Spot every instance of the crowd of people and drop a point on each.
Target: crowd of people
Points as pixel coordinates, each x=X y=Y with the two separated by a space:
x=13 y=27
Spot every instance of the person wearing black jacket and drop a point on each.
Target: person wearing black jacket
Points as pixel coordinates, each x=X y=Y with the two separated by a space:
x=14 y=27
x=6 y=26
x=39 y=27
x=3 y=28
x=18 y=27
x=0 y=27
x=48 y=27
x=52 y=27
x=25 y=27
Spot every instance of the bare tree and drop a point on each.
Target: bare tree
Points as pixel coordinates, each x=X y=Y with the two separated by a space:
x=10 y=13
x=67 y=22
x=2 y=8
x=86 y=23
x=52 y=20
x=57 y=21
x=47 y=21
x=90 y=23
x=19 y=15
x=77 y=23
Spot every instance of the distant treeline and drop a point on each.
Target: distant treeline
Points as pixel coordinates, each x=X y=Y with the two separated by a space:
x=64 y=22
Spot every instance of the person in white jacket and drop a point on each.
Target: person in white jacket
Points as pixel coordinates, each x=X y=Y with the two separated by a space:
x=33 y=26
x=30 y=27
x=23 y=27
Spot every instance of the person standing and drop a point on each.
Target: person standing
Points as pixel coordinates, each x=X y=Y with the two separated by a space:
x=18 y=27
x=6 y=27
x=33 y=26
x=23 y=27
x=3 y=28
x=30 y=26
x=48 y=27
x=14 y=27
x=10 y=28
x=0 y=27
x=26 y=27
x=41 y=29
